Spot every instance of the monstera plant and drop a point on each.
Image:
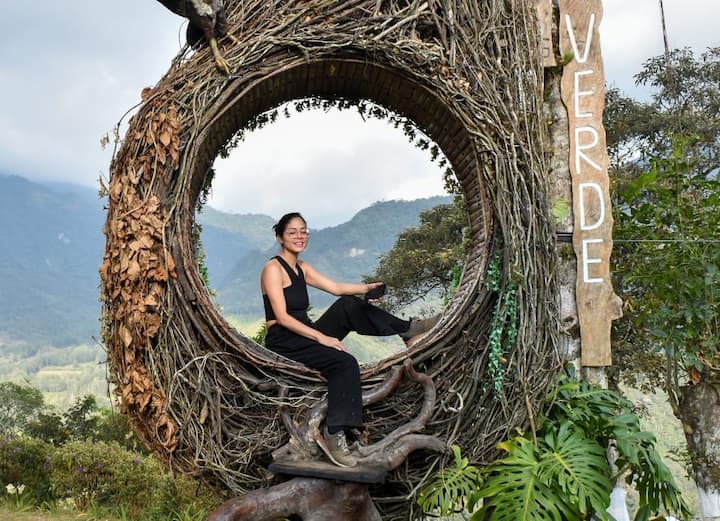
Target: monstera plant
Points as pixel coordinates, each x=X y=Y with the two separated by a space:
x=561 y=471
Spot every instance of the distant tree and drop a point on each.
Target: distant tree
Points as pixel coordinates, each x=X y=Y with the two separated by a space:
x=428 y=258
x=48 y=427
x=82 y=418
x=665 y=156
x=19 y=405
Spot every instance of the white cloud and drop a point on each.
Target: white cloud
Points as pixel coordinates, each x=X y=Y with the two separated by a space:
x=631 y=33
x=69 y=70
x=328 y=166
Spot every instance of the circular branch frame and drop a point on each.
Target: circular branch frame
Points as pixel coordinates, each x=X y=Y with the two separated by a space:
x=204 y=396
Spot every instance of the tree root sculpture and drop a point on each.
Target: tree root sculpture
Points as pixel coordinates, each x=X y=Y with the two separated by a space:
x=311 y=499
x=387 y=453
x=314 y=499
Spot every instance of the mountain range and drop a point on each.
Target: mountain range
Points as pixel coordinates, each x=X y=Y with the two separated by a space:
x=51 y=244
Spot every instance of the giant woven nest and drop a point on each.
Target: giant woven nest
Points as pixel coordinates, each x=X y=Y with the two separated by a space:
x=467 y=73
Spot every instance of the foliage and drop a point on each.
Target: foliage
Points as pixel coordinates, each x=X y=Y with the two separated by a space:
x=78 y=455
x=106 y=475
x=609 y=418
x=453 y=483
x=102 y=477
x=19 y=405
x=425 y=258
x=259 y=337
x=503 y=329
x=561 y=471
x=23 y=407
x=26 y=461
x=665 y=155
x=562 y=476
x=672 y=284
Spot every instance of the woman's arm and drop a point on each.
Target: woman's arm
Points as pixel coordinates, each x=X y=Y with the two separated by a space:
x=317 y=280
x=271 y=282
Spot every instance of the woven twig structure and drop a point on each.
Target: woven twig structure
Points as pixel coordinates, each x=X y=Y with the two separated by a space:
x=468 y=74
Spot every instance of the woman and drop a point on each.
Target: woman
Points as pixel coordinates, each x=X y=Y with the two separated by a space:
x=318 y=345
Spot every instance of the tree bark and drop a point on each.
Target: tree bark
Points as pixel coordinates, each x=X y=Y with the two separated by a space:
x=699 y=410
x=310 y=499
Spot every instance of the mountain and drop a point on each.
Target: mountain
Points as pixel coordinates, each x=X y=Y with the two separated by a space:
x=226 y=237
x=345 y=252
x=51 y=244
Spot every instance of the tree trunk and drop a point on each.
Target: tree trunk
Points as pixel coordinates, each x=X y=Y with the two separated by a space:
x=618 y=504
x=308 y=498
x=699 y=410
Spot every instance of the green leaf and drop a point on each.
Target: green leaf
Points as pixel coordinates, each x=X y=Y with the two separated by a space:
x=560 y=210
x=514 y=490
x=453 y=486
x=578 y=467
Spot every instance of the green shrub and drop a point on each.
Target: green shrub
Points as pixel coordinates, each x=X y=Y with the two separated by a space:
x=106 y=476
x=26 y=461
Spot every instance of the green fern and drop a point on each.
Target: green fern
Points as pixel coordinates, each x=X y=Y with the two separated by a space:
x=448 y=492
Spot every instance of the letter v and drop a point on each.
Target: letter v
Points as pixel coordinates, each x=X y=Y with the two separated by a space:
x=573 y=41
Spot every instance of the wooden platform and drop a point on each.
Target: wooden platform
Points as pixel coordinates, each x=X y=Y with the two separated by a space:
x=320 y=469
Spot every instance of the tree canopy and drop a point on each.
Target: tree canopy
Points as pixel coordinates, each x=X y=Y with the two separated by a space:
x=428 y=258
x=665 y=155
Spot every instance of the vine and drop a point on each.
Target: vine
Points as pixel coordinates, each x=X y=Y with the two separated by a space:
x=504 y=328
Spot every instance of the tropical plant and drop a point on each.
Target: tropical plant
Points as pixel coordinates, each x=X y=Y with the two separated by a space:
x=561 y=471
x=453 y=484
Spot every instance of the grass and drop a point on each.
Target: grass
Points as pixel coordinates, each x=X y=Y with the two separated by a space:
x=8 y=514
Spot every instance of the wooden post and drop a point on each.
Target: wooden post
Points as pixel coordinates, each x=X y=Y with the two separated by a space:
x=583 y=94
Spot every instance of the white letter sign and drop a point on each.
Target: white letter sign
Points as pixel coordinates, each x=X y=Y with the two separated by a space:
x=583 y=93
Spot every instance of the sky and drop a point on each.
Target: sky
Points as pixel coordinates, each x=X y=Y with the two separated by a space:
x=70 y=70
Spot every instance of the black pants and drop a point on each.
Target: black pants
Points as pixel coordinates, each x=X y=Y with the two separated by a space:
x=339 y=368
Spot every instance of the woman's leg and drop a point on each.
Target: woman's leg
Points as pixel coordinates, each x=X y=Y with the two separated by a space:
x=349 y=313
x=341 y=371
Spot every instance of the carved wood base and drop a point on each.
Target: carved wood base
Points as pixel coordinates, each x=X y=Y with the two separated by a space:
x=323 y=470
x=309 y=498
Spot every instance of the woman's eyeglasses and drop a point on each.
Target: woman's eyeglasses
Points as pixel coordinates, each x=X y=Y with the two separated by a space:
x=303 y=232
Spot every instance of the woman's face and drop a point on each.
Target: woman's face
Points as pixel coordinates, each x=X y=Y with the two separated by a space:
x=295 y=236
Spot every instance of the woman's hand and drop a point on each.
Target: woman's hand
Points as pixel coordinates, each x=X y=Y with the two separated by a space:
x=331 y=341
x=374 y=292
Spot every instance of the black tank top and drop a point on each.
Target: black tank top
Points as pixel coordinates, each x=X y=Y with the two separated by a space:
x=296 y=295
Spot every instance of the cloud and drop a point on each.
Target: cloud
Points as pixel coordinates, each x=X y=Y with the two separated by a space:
x=346 y=165
x=631 y=33
x=70 y=69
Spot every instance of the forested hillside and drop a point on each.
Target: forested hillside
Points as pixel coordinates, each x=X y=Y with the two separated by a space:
x=344 y=252
x=50 y=247
x=52 y=243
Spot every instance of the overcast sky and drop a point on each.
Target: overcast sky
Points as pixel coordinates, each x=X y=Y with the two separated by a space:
x=70 y=69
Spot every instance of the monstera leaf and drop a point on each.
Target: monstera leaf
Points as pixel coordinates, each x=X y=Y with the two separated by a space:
x=563 y=478
x=455 y=483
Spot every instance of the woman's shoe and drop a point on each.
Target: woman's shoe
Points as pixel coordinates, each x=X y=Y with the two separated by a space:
x=336 y=448
x=418 y=328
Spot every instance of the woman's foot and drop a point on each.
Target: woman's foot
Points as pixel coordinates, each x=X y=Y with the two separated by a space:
x=418 y=328
x=335 y=447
